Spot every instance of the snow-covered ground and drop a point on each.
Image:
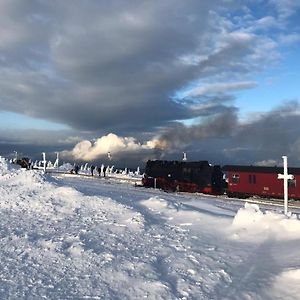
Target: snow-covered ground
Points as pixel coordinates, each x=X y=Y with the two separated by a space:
x=88 y=238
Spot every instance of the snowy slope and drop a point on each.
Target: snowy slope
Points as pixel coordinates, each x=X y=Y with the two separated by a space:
x=86 y=238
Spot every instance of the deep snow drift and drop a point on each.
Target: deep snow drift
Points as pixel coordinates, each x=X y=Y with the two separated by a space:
x=88 y=238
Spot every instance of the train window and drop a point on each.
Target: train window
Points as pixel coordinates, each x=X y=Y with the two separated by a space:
x=235 y=178
x=292 y=182
x=252 y=179
x=186 y=170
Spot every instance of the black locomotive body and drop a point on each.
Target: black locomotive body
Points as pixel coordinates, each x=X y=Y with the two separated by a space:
x=198 y=176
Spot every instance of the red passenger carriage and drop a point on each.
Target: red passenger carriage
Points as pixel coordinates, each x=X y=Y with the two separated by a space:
x=245 y=181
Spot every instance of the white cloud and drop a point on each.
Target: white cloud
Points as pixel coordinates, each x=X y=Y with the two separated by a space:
x=221 y=88
x=87 y=150
x=289 y=38
x=268 y=163
x=285 y=8
x=266 y=22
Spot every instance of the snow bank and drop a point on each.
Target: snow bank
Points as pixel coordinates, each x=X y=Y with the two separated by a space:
x=58 y=243
x=29 y=191
x=252 y=224
x=187 y=215
x=66 y=167
x=114 y=241
x=286 y=285
x=5 y=167
x=174 y=212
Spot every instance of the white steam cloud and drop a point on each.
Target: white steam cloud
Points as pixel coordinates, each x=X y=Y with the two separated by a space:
x=88 y=151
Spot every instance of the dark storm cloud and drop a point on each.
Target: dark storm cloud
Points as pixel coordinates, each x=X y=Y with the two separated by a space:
x=31 y=143
x=118 y=66
x=261 y=140
x=180 y=136
x=114 y=65
x=272 y=135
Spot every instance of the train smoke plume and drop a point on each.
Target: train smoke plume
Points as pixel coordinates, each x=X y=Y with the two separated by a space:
x=180 y=135
x=89 y=151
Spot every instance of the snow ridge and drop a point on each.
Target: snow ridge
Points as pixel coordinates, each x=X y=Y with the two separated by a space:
x=78 y=238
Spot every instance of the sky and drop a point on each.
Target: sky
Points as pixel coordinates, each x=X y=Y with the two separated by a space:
x=151 y=79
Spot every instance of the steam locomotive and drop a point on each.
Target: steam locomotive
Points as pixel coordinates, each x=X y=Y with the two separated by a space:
x=235 y=181
x=183 y=176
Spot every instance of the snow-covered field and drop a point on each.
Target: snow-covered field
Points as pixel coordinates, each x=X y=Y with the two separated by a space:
x=88 y=238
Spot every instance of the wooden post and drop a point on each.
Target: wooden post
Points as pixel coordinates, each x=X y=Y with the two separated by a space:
x=44 y=161
x=285 y=176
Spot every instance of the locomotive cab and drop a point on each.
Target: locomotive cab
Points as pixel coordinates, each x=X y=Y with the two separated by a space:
x=197 y=176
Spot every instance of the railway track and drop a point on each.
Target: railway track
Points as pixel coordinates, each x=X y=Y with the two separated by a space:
x=137 y=182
